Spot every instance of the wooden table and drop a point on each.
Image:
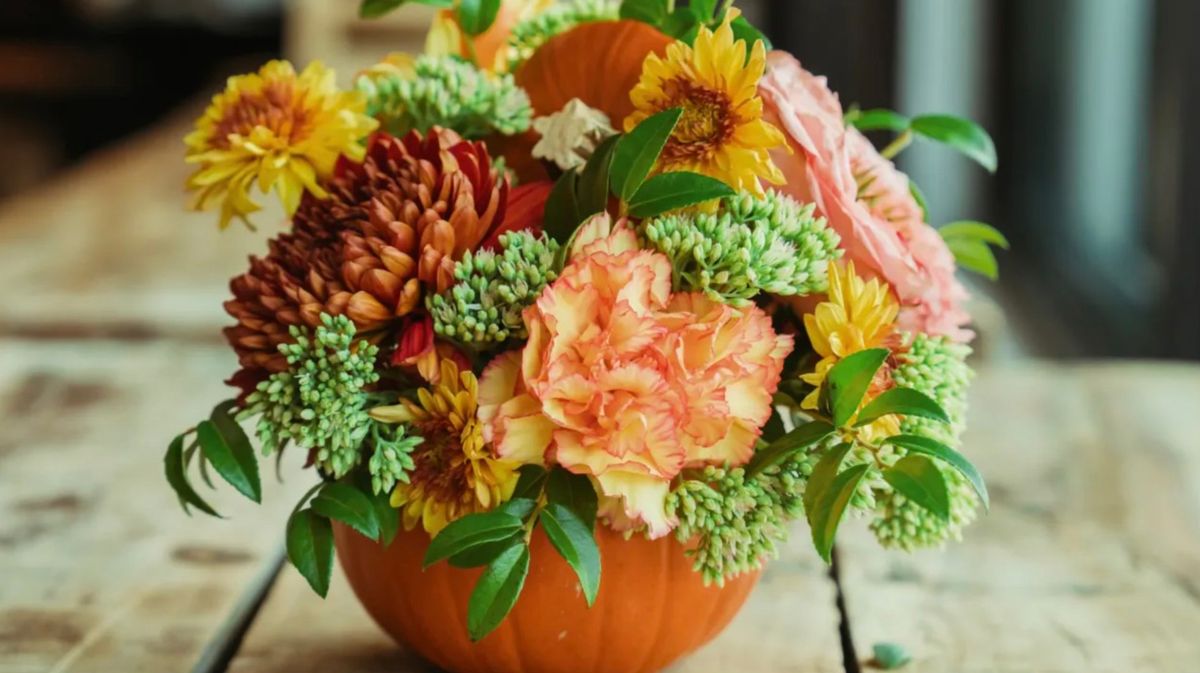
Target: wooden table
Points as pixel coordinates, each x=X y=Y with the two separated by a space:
x=1089 y=560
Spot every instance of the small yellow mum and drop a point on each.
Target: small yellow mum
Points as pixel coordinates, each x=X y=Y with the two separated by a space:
x=857 y=315
x=722 y=133
x=279 y=130
x=454 y=474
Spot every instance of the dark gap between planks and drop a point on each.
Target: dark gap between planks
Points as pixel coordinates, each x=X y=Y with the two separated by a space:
x=849 y=654
x=219 y=652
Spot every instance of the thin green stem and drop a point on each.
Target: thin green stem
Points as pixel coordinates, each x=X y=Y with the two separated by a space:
x=897 y=146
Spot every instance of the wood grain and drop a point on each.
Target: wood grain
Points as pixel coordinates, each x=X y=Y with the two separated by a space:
x=1090 y=557
x=102 y=570
x=789 y=625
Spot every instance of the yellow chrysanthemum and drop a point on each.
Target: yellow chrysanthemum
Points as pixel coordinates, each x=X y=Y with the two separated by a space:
x=276 y=129
x=857 y=315
x=454 y=474
x=722 y=133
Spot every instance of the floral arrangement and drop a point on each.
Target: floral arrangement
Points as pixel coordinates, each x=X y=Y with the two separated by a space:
x=686 y=298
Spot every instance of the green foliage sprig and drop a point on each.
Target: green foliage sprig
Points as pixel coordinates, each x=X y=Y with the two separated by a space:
x=492 y=289
x=529 y=34
x=446 y=91
x=750 y=245
x=684 y=23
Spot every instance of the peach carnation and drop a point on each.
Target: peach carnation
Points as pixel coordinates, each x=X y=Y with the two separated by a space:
x=863 y=197
x=623 y=382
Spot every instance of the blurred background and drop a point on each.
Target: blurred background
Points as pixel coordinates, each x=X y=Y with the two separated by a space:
x=1092 y=104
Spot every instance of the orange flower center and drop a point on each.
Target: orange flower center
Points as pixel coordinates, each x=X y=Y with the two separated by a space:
x=275 y=107
x=706 y=124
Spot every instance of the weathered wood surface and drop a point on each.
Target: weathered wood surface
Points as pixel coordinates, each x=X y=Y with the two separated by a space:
x=100 y=570
x=1090 y=558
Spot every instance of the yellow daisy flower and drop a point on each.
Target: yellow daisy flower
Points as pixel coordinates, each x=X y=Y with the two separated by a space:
x=722 y=133
x=454 y=474
x=857 y=315
x=276 y=129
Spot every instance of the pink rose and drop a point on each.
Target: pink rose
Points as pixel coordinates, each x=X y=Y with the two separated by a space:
x=863 y=197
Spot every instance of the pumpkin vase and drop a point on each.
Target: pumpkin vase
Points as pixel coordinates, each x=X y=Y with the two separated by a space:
x=652 y=608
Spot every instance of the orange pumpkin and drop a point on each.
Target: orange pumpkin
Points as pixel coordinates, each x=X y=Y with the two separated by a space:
x=652 y=607
x=598 y=63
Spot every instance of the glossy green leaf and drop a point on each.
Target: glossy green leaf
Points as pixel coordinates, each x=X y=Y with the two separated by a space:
x=310 y=548
x=935 y=449
x=704 y=10
x=825 y=516
x=889 y=656
x=680 y=24
x=848 y=380
x=974 y=255
x=799 y=439
x=973 y=230
x=387 y=516
x=562 y=215
x=470 y=531
x=637 y=151
x=344 y=503
x=669 y=191
x=918 y=479
x=824 y=473
x=576 y=543
x=961 y=134
x=592 y=187
x=476 y=16
x=573 y=491
x=653 y=12
x=744 y=30
x=878 y=119
x=497 y=590
x=903 y=401
x=530 y=482
x=231 y=456
x=176 y=472
x=483 y=554
x=519 y=507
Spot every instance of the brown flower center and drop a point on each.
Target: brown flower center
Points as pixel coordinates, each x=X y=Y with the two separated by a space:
x=275 y=107
x=439 y=465
x=706 y=124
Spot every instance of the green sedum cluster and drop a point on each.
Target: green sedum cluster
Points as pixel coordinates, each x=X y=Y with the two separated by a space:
x=738 y=523
x=533 y=32
x=750 y=245
x=493 y=288
x=446 y=91
x=937 y=367
x=391 y=461
x=319 y=402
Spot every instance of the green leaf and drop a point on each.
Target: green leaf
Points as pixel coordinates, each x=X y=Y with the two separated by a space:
x=828 y=509
x=387 y=516
x=680 y=23
x=703 y=10
x=919 y=197
x=824 y=472
x=889 y=656
x=974 y=255
x=935 y=449
x=562 y=215
x=744 y=30
x=476 y=16
x=231 y=455
x=310 y=548
x=592 y=187
x=961 y=134
x=519 y=507
x=497 y=590
x=797 y=440
x=848 y=380
x=530 y=483
x=973 y=230
x=903 y=401
x=483 y=554
x=653 y=12
x=176 y=471
x=576 y=543
x=573 y=491
x=638 y=150
x=343 y=502
x=878 y=119
x=669 y=191
x=471 y=531
x=918 y=479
